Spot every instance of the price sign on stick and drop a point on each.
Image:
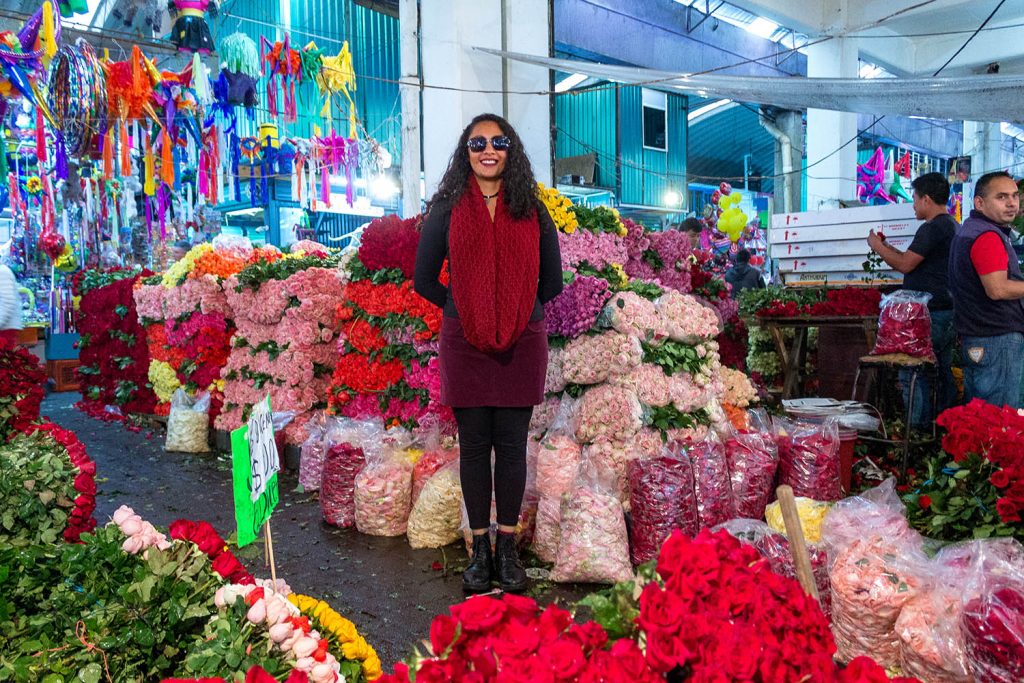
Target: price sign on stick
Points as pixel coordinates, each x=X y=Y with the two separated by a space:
x=262 y=448
x=247 y=470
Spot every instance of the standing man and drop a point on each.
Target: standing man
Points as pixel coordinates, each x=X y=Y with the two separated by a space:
x=742 y=275
x=924 y=266
x=987 y=288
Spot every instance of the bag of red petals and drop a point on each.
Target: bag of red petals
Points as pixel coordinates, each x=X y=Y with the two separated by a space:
x=809 y=457
x=345 y=442
x=661 y=499
x=905 y=325
x=753 y=459
x=313 y=451
x=992 y=622
x=711 y=483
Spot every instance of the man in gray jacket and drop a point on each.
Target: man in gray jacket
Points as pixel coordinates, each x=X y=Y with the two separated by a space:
x=742 y=275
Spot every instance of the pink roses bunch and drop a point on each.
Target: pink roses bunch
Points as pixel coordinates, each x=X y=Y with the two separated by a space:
x=686 y=318
x=597 y=249
x=609 y=411
x=594 y=358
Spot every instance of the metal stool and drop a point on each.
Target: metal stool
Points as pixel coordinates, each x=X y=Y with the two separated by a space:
x=888 y=366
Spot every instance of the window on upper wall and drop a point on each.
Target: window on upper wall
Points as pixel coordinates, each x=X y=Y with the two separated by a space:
x=655 y=120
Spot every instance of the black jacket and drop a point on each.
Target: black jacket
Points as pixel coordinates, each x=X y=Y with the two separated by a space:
x=742 y=276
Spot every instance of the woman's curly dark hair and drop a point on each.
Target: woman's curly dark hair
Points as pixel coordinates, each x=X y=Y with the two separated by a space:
x=517 y=181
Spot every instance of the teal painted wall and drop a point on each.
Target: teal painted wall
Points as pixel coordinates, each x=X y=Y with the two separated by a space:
x=586 y=122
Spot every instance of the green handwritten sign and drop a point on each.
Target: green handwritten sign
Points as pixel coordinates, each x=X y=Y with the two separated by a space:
x=250 y=515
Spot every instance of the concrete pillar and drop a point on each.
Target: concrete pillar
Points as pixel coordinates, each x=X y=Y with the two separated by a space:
x=787 y=127
x=412 y=159
x=831 y=174
x=449 y=30
x=983 y=142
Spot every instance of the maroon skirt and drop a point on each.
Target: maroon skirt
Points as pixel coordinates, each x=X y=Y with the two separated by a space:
x=471 y=378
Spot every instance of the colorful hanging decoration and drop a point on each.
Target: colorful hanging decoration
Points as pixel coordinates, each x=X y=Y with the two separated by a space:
x=77 y=101
x=871 y=180
x=130 y=87
x=902 y=167
x=281 y=60
x=25 y=55
x=191 y=33
x=338 y=75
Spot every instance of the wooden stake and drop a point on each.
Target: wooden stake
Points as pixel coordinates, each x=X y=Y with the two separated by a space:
x=273 y=567
x=797 y=545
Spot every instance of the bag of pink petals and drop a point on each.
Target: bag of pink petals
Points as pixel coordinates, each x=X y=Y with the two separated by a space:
x=774 y=547
x=383 y=491
x=661 y=500
x=932 y=645
x=313 y=451
x=344 y=440
x=558 y=459
x=877 y=566
x=435 y=456
x=992 y=622
x=809 y=458
x=753 y=460
x=711 y=483
x=594 y=545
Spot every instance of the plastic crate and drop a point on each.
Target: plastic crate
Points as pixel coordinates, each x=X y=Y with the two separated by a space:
x=61 y=347
x=63 y=373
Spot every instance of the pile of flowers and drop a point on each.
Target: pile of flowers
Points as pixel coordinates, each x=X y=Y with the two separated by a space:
x=387 y=344
x=48 y=490
x=777 y=302
x=975 y=488
x=21 y=390
x=283 y=309
x=113 y=354
x=188 y=322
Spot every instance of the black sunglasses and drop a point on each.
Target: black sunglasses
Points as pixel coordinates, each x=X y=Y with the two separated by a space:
x=500 y=143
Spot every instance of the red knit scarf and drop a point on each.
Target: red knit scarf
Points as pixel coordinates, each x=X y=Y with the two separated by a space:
x=495 y=266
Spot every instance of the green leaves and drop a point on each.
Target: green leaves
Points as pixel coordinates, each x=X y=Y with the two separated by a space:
x=674 y=356
x=36 y=490
x=254 y=275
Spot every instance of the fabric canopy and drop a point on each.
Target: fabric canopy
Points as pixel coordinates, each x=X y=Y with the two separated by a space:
x=986 y=97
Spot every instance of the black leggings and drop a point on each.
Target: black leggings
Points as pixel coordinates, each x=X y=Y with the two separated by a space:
x=505 y=431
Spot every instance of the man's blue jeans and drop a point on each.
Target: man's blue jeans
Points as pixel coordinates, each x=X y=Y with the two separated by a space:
x=993 y=368
x=943 y=342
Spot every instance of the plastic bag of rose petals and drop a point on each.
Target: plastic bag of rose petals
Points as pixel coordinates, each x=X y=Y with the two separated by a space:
x=594 y=545
x=753 y=460
x=437 y=514
x=809 y=458
x=313 y=451
x=188 y=424
x=661 y=499
x=992 y=621
x=383 y=493
x=711 y=483
x=905 y=325
x=774 y=547
x=877 y=565
x=344 y=457
x=433 y=459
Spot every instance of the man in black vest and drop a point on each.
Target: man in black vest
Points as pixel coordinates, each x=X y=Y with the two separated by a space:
x=924 y=266
x=987 y=286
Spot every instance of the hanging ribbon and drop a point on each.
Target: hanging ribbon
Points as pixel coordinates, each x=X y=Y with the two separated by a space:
x=108 y=154
x=40 y=136
x=150 y=163
x=126 y=159
x=166 y=158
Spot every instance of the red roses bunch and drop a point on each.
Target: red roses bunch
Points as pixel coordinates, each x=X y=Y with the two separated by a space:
x=513 y=641
x=845 y=301
x=390 y=242
x=113 y=354
x=80 y=519
x=720 y=614
x=995 y=434
x=21 y=390
x=205 y=537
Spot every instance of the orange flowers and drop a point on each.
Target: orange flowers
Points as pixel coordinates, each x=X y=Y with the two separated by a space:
x=219 y=263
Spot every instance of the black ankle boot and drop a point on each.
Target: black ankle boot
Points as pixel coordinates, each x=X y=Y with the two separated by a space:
x=480 y=572
x=507 y=567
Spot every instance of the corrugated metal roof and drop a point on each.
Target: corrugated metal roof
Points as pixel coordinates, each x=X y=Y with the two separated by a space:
x=718 y=142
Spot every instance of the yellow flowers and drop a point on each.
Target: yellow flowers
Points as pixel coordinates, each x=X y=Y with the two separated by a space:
x=620 y=273
x=332 y=625
x=34 y=185
x=182 y=268
x=164 y=380
x=560 y=208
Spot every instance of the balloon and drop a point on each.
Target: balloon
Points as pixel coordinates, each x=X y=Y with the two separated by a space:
x=737 y=197
x=52 y=244
x=716 y=196
x=725 y=188
x=67 y=262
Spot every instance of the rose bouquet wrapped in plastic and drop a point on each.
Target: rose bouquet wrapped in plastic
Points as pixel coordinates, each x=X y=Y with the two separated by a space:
x=435 y=517
x=711 y=483
x=661 y=499
x=609 y=411
x=594 y=546
x=651 y=384
x=632 y=314
x=905 y=325
x=809 y=458
x=686 y=319
x=592 y=358
x=577 y=307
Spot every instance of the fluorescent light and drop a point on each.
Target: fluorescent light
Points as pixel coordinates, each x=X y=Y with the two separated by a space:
x=570 y=82
x=383 y=188
x=672 y=198
x=707 y=109
x=762 y=27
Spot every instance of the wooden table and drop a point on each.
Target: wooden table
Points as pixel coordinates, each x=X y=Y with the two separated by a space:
x=794 y=355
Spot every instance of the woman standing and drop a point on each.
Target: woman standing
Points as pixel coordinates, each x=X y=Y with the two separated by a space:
x=504 y=264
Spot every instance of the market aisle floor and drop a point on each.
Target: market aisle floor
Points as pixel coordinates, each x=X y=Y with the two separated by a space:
x=390 y=591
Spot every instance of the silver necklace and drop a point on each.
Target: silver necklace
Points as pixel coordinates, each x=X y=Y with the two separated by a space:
x=488 y=197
